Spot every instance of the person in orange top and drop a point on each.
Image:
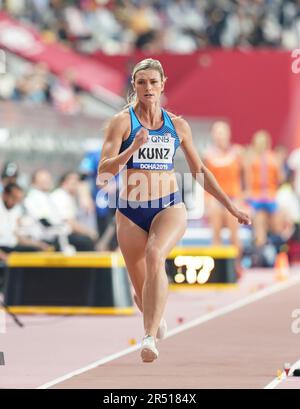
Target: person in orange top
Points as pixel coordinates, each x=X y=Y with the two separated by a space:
x=263 y=178
x=224 y=160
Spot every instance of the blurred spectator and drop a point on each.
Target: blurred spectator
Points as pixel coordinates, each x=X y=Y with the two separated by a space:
x=76 y=23
x=224 y=160
x=105 y=200
x=127 y=89
x=289 y=207
x=65 y=199
x=9 y=174
x=86 y=206
x=38 y=202
x=15 y=7
x=36 y=85
x=64 y=94
x=10 y=215
x=33 y=86
x=3 y=257
x=282 y=155
x=40 y=207
x=263 y=177
x=294 y=164
x=8 y=86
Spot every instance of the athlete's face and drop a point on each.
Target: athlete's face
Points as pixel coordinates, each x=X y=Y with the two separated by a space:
x=12 y=199
x=43 y=181
x=72 y=183
x=221 y=135
x=148 y=86
x=261 y=142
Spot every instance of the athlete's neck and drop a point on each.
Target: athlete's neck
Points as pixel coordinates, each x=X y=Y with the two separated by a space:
x=150 y=115
x=223 y=150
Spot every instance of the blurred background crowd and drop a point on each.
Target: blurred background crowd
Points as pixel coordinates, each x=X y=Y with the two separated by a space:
x=68 y=214
x=120 y=26
x=34 y=84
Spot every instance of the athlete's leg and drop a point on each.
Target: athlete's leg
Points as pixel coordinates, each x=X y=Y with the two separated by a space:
x=260 y=224
x=277 y=223
x=233 y=226
x=167 y=228
x=216 y=220
x=132 y=241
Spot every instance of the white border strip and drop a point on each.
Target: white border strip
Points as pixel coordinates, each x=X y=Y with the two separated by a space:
x=198 y=321
x=273 y=384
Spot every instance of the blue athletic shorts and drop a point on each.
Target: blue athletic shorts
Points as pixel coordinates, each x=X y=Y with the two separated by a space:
x=264 y=205
x=142 y=213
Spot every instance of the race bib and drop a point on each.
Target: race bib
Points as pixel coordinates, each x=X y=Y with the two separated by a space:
x=156 y=154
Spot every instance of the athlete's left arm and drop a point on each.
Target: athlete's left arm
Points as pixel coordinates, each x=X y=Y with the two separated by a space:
x=201 y=173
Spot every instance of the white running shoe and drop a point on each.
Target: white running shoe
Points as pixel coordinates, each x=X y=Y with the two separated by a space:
x=149 y=351
x=162 y=329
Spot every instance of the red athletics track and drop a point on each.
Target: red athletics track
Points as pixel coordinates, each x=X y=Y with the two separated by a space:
x=244 y=347
x=241 y=348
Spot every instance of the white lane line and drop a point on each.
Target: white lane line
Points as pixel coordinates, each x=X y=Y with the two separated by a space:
x=198 y=321
x=89 y=367
x=273 y=384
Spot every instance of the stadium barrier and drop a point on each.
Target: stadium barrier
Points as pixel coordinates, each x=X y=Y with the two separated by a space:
x=97 y=283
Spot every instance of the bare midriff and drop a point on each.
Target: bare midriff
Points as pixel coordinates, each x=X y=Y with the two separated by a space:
x=145 y=185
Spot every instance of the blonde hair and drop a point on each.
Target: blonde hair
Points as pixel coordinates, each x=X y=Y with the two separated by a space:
x=147 y=64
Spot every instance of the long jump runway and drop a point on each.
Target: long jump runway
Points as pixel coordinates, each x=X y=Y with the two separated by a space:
x=240 y=346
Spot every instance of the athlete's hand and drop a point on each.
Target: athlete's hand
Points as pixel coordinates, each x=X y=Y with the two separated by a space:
x=243 y=218
x=140 y=138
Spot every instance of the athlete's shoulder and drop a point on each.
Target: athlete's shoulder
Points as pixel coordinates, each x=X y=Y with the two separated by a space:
x=172 y=116
x=120 y=121
x=121 y=117
x=182 y=127
x=178 y=121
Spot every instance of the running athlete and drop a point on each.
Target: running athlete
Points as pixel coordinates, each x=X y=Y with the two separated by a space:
x=151 y=218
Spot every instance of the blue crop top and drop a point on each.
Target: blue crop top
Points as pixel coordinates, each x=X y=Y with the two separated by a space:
x=156 y=154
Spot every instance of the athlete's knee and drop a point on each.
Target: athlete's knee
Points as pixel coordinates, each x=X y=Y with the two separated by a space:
x=138 y=301
x=154 y=258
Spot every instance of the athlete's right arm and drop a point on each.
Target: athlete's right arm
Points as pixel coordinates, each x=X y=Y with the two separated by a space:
x=111 y=162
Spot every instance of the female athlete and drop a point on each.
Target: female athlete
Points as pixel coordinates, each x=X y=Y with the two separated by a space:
x=141 y=141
